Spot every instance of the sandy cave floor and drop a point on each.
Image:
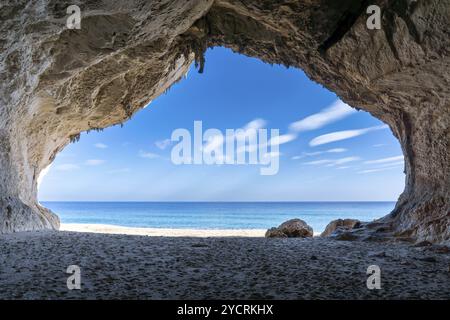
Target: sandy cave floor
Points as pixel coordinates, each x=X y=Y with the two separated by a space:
x=33 y=266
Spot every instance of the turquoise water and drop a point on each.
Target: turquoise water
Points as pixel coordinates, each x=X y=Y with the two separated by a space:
x=215 y=215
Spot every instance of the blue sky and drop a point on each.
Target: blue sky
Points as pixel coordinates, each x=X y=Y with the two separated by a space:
x=332 y=152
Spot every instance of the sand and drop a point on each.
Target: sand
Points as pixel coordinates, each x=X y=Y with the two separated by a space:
x=119 y=266
x=162 y=232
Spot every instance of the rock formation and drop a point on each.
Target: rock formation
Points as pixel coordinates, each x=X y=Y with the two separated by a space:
x=294 y=228
x=341 y=224
x=56 y=82
x=275 y=233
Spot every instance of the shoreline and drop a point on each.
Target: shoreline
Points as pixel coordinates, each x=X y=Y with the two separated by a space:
x=161 y=232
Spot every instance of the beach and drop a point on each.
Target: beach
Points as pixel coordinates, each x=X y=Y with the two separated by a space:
x=124 y=266
x=161 y=232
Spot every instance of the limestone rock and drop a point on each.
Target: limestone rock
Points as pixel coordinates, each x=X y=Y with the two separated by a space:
x=275 y=233
x=294 y=228
x=345 y=236
x=343 y=224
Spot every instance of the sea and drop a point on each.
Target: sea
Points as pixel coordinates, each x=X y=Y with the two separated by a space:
x=215 y=215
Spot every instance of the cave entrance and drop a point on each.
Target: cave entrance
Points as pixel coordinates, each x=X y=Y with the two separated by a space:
x=334 y=162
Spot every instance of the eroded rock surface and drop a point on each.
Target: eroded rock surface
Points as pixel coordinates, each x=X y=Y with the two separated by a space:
x=294 y=228
x=56 y=83
x=341 y=224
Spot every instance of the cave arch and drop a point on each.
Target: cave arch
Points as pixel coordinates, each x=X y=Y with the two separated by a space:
x=59 y=82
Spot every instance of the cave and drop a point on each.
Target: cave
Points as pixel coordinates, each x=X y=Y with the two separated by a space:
x=58 y=82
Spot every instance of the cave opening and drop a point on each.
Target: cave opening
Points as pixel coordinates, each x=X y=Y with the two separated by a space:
x=332 y=158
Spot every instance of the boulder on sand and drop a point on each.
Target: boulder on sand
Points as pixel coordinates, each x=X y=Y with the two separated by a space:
x=294 y=228
x=275 y=233
x=340 y=225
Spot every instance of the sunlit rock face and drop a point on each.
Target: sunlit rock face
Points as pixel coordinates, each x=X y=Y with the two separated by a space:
x=56 y=82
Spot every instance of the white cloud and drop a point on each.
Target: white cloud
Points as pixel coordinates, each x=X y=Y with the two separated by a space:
x=94 y=162
x=147 y=155
x=100 y=145
x=346 y=160
x=338 y=110
x=342 y=135
x=317 y=162
x=67 y=167
x=163 y=144
x=311 y=154
x=391 y=164
x=337 y=150
x=378 y=145
x=384 y=164
x=375 y=170
x=217 y=141
x=255 y=124
x=385 y=160
x=271 y=155
x=213 y=143
x=333 y=162
x=275 y=141
x=284 y=138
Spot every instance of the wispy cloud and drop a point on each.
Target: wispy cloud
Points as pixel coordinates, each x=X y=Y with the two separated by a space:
x=384 y=164
x=336 y=150
x=391 y=164
x=375 y=170
x=318 y=162
x=148 y=155
x=255 y=124
x=333 y=162
x=378 y=145
x=282 y=139
x=163 y=144
x=272 y=154
x=311 y=154
x=100 y=145
x=346 y=160
x=297 y=157
x=385 y=160
x=343 y=135
x=67 y=167
x=338 y=110
x=307 y=154
x=94 y=162
x=215 y=142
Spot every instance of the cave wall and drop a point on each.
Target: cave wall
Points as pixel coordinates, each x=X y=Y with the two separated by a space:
x=56 y=82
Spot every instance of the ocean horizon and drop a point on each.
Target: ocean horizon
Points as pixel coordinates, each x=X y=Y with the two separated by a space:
x=215 y=215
